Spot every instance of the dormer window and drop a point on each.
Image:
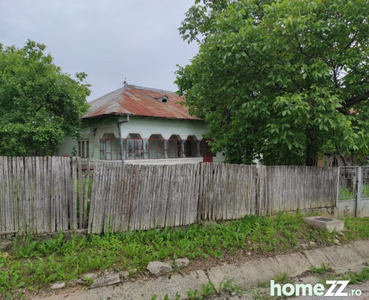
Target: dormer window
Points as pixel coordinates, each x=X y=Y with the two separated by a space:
x=163 y=99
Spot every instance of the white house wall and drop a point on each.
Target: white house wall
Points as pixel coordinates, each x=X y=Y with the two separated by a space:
x=70 y=145
x=145 y=127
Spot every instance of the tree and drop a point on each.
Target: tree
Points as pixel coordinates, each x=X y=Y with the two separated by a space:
x=284 y=81
x=39 y=104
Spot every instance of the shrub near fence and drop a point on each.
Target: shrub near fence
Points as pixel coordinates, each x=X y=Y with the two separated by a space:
x=41 y=194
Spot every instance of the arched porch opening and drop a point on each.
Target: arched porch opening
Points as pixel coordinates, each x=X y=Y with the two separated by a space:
x=156 y=146
x=174 y=146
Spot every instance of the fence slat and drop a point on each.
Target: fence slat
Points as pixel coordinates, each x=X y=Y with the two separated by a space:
x=20 y=179
x=86 y=198
x=2 y=195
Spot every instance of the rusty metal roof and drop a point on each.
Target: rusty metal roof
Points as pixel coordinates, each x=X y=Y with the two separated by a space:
x=139 y=101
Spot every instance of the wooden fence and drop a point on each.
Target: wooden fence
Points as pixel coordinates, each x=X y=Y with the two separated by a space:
x=39 y=195
x=141 y=197
x=287 y=188
x=134 y=197
x=42 y=194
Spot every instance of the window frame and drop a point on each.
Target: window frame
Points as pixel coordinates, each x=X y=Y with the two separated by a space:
x=112 y=140
x=83 y=149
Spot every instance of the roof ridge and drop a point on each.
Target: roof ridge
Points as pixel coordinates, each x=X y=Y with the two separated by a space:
x=121 y=88
x=122 y=102
x=149 y=89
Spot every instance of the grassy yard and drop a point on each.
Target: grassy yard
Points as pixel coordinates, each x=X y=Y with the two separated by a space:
x=33 y=265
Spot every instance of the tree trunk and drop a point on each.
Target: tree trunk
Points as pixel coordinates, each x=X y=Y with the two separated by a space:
x=311 y=158
x=311 y=161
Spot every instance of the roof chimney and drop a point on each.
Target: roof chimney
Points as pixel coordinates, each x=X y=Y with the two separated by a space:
x=125 y=84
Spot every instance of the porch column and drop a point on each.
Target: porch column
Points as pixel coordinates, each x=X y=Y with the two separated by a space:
x=182 y=149
x=166 y=146
x=198 y=154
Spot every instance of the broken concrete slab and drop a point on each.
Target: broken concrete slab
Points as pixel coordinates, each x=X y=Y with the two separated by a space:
x=58 y=286
x=337 y=256
x=106 y=280
x=85 y=279
x=92 y=276
x=325 y=223
x=253 y=272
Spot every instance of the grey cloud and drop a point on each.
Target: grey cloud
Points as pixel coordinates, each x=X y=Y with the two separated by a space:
x=109 y=40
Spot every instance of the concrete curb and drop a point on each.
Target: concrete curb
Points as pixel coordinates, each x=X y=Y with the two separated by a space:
x=340 y=258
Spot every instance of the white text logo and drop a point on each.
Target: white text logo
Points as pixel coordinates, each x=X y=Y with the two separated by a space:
x=335 y=288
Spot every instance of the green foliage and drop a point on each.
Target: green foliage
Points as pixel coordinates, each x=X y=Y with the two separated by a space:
x=356 y=228
x=39 y=104
x=365 y=191
x=282 y=81
x=282 y=278
x=193 y=294
x=200 y=18
x=229 y=286
x=356 y=278
x=208 y=289
x=345 y=194
x=257 y=294
x=323 y=269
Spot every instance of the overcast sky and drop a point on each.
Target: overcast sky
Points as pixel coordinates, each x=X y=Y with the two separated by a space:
x=108 y=39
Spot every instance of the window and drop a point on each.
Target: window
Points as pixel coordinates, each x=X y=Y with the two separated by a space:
x=83 y=150
x=191 y=146
x=174 y=146
x=156 y=146
x=163 y=99
x=109 y=147
x=136 y=147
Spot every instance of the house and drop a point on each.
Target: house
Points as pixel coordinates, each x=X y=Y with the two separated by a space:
x=152 y=126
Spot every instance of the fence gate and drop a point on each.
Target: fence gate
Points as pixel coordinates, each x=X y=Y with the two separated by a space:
x=353 y=191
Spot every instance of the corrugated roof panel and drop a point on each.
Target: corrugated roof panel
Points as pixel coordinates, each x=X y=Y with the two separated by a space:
x=139 y=101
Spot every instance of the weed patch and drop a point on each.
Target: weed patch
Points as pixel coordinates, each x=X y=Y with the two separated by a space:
x=325 y=268
x=355 y=278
